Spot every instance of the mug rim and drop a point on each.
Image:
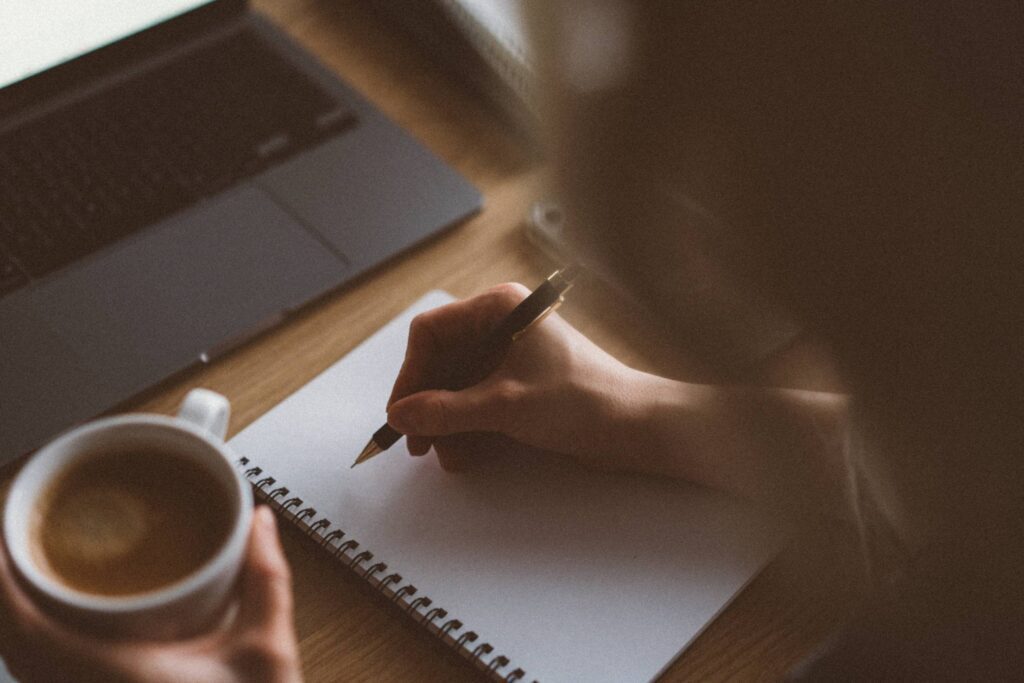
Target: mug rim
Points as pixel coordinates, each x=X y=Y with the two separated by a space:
x=56 y=455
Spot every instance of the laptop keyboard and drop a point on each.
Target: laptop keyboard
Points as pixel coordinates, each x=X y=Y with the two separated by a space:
x=102 y=168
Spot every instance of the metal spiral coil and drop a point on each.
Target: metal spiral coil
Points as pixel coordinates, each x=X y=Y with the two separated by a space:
x=379 y=567
x=346 y=550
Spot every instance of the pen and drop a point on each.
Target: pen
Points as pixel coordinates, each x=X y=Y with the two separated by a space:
x=542 y=301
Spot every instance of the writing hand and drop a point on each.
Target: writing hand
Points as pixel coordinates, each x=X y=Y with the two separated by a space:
x=554 y=390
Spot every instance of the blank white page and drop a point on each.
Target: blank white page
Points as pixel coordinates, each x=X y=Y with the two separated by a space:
x=574 y=575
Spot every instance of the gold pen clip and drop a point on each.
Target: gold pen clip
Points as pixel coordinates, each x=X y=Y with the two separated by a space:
x=547 y=311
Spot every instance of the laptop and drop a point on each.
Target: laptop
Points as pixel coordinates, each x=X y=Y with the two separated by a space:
x=175 y=177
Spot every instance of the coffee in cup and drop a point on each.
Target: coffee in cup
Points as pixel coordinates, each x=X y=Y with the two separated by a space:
x=134 y=525
x=122 y=523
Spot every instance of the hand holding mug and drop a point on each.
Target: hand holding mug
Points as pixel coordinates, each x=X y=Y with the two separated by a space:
x=259 y=645
x=124 y=541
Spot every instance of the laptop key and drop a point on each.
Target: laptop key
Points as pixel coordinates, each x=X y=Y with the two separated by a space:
x=11 y=276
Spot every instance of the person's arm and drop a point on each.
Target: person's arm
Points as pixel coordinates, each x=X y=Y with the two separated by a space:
x=783 y=447
x=556 y=391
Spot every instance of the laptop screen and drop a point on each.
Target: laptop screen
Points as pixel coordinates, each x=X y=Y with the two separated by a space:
x=36 y=35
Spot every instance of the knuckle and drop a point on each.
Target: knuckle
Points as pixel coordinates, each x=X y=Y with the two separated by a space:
x=419 y=329
x=274 y=568
x=508 y=393
x=440 y=415
x=280 y=580
x=509 y=293
x=281 y=584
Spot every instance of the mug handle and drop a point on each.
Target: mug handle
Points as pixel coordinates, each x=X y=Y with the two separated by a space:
x=207 y=410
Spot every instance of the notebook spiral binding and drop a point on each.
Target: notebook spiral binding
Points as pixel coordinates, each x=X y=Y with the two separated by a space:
x=420 y=608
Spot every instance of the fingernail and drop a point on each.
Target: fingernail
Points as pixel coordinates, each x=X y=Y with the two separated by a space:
x=400 y=421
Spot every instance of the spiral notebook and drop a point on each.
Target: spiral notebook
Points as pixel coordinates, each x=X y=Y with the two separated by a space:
x=534 y=570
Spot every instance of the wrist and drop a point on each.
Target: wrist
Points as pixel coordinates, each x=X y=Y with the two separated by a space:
x=653 y=430
x=770 y=445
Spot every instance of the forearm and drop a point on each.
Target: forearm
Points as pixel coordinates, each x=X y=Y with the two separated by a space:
x=777 y=446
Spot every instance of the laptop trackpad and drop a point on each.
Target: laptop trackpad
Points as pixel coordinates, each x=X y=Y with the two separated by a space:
x=45 y=386
x=151 y=305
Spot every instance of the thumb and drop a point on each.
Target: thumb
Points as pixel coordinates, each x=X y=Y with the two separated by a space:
x=480 y=408
x=266 y=578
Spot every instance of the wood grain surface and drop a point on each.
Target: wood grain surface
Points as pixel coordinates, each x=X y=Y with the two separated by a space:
x=348 y=633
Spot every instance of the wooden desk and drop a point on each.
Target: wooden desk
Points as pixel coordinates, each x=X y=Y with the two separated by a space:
x=346 y=632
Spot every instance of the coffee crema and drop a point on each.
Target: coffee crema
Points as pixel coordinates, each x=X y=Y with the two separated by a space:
x=115 y=524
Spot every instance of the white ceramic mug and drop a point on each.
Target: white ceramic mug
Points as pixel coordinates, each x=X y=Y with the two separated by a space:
x=178 y=609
